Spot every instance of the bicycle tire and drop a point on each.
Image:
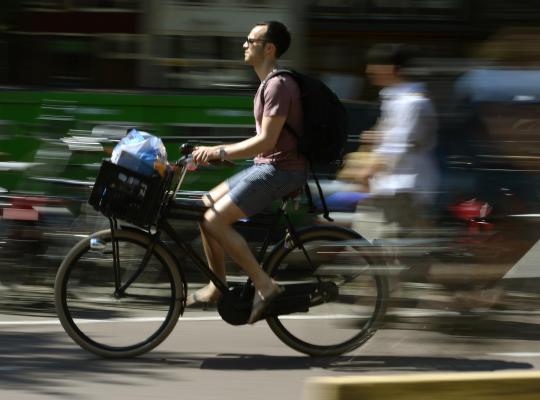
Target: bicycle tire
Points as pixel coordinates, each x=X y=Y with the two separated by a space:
x=97 y=320
x=310 y=332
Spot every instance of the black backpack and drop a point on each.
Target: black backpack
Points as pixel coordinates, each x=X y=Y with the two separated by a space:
x=324 y=122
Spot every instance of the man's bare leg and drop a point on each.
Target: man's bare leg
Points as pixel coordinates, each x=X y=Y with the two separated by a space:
x=213 y=251
x=216 y=261
x=217 y=223
x=215 y=194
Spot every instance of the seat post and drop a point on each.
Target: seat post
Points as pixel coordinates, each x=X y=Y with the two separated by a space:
x=285 y=199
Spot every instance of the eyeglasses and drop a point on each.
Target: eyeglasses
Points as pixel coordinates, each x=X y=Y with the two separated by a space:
x=250 y=41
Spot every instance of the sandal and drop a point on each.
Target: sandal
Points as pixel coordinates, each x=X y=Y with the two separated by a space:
x=261 y=303
x=194 y=300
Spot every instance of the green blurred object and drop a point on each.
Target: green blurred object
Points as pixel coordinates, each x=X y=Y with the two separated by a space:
x=36 y=126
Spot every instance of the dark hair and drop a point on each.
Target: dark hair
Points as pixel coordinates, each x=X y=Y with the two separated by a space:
x=399 y=55
x=278 y=34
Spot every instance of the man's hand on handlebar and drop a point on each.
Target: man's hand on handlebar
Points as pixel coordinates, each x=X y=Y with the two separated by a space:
x=204 y=154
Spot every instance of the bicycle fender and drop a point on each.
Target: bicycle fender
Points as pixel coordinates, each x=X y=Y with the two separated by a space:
x=302 y=231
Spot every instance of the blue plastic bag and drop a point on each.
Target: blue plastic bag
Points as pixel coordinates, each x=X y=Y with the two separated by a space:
x=141 y=152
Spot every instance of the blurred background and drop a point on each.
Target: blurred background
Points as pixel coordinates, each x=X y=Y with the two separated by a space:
x=75 y=73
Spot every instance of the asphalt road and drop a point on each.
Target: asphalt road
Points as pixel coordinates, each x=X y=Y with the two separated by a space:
x=205 y=358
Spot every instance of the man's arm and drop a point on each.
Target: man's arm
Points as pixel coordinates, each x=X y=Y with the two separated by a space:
x=270 y=129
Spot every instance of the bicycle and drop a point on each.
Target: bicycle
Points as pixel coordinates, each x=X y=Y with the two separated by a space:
x=120 y=292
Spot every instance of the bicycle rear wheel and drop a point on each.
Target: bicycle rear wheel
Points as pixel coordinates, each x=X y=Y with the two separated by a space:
x=97 y=316
x=355 y=294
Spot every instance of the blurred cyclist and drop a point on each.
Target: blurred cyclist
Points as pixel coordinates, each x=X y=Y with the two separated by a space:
x=400 y=170
x=277 y=171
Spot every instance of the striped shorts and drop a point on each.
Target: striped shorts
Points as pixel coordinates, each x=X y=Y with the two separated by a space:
x=255 y=188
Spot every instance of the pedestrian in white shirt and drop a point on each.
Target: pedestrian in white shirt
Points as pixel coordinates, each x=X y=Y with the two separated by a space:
x=405 y=152
x=401 y=171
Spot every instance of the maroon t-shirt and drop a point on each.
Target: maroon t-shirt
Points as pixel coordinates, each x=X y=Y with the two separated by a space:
x=281 y=98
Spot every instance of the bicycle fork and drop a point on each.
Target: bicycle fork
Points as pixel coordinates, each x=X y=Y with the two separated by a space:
x=119 y=288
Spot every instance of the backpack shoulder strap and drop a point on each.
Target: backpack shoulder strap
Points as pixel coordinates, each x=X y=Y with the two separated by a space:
x=326 y=211
x=265 y=81
x=272 y=74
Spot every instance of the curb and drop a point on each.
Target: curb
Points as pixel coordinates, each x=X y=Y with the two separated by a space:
x=427 y=386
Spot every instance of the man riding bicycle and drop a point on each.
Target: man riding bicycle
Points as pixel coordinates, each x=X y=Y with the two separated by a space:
x=278 y=169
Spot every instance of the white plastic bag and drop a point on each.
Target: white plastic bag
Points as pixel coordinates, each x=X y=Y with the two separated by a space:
x=141 y=152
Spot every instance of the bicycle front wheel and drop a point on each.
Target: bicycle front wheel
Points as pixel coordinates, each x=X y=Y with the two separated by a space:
x=117 y=323
x=353 y=298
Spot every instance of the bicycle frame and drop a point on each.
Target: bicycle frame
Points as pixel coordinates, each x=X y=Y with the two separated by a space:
x=163 y=225
x=202 y=265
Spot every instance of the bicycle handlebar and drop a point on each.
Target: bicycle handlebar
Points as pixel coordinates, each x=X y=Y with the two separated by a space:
x=187 y=148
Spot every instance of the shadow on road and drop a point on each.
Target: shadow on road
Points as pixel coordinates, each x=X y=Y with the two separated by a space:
x=49 y=363
x=357 y=363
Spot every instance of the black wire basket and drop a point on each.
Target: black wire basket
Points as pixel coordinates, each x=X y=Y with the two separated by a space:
x=128 y=195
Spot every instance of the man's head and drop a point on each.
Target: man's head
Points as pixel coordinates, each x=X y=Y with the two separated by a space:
x=267 y=40
x=385 y=63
